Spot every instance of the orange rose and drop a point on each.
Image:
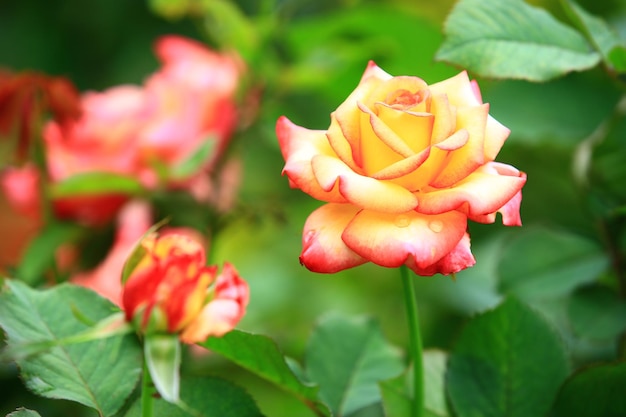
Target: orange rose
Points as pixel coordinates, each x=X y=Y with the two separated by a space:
x=402 y=167
x=169 y=289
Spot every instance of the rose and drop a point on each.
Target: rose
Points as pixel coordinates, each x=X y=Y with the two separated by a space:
x=224 y=311
x=402 y=166
x=169 y=289
x=192 y=102
x=169 y=132
x=103 y=139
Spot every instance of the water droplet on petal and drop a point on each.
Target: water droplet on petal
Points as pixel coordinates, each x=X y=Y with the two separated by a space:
x=402 y=220
x=436 y=226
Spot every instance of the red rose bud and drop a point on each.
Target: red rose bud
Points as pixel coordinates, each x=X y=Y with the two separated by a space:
x=169 y=290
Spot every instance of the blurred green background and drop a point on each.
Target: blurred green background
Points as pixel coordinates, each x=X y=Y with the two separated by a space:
x=305 y=57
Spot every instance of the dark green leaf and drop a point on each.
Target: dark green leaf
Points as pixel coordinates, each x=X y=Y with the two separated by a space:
x=397 y=392
x=205 y=397
x=541 y=114
x=39 y=256
x=603 y=38
x=597 y=312
x=507 y=362
x=512 y=39
x=542 y=263
x=163 y=354
x=196 y=160
x=347 y=358
x=260 y=355
x=595 y=391
x=23 y=412
x=100 y=374
x=97 y=183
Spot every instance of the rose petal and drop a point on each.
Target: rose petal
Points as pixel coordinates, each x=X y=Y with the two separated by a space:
x=375 y=71
x=445 y=118
x=495 y=136
x=348 y=116
x=322 y=248
x=383 y=132
x=511 y=210
x=391 y=240
x=346 y=151
x=457 y=260
x=364 y=192
x=391 y=86
x=482 y=192
x=415 y=129
x=403 y=167
x=463 y=161
x=380 y=146
x=299 y=146
x=459 y=89
x=430 y=168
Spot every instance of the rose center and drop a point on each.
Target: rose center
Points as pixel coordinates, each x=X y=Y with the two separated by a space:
x=404 y=99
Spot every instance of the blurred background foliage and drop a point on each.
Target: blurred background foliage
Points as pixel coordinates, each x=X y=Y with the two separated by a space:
x=304 y=58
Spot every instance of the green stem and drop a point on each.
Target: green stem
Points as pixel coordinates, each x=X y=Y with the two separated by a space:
x=146 y=392
x=415 y=343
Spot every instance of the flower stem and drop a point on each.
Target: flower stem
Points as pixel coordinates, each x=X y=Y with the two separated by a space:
x=146 y=392
x=415 y=343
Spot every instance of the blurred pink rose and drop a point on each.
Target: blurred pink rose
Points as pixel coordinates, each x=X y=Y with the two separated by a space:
x=192 y=100
x=21 y=189
x=148 y=132
x=103 y=139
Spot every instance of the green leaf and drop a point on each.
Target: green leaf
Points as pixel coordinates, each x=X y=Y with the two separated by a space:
x=170 y=9
x=597 y=313
x=97 y=183
x=204 y=397
x=39 y=256
x=507 y=362
x=531 y=268
x=511 y=39
x=100 y=374
x=397 y=393
x=163 y=355
x=23 y=412
x=541 y=114
x=260 y=355
x=139 y=251
x=229 y=26
x=603 y=38
x=196 y=160
x=595 y=391
x=347 y=358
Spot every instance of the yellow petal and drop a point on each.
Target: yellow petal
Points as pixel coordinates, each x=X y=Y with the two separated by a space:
x=415 y=129
x=380 y=146
x=463 y=161
x=482 y=192
x=363 y=192
x=445 y=118
x=348 y=151
x=459 y=90
x=391 y=240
